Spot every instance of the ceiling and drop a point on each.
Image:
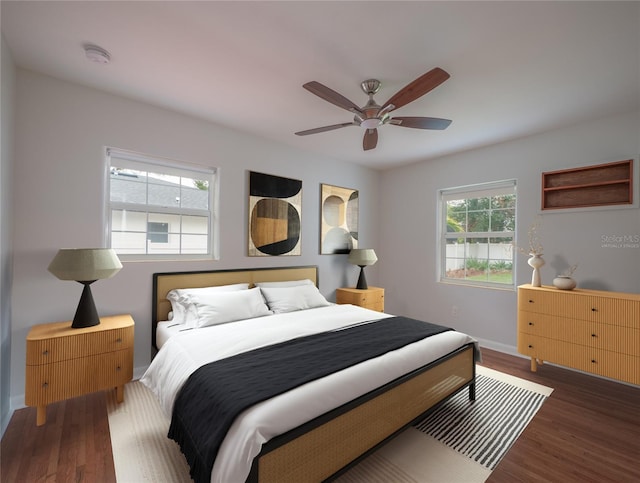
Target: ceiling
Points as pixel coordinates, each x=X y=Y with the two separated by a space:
x=517 y=68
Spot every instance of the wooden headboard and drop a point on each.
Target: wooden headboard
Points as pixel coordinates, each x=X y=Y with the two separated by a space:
x=165 y=282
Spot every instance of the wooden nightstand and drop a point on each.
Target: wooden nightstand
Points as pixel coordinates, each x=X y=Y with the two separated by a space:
x=370 y=298
x=63 y=362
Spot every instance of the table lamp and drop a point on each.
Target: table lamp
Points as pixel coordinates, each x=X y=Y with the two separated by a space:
x=362 y=257
x=85 y=266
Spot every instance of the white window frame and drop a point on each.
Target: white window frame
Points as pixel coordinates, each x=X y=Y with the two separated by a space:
x=138 y=161
x=470 y=192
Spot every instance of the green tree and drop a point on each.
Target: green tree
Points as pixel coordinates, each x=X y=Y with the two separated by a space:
x=495 y=214
x=201 y=184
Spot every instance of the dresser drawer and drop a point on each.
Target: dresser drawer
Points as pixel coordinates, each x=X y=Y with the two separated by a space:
x=581 y=305
x=610 y=364
x=65 y=379
x=613 y=338
x=605 y=363
x=45 y=351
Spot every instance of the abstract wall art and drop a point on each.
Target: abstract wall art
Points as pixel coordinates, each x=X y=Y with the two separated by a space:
x=275 y=215
x=339 y=219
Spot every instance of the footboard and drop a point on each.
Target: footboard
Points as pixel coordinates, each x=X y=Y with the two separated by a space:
x=330 y=444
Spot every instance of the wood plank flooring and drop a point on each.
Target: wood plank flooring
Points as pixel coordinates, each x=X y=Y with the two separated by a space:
x=587 y=431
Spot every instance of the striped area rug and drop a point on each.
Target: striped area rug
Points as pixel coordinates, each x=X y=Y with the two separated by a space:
x=433 y=451
x=460 y=442
x=485 y=430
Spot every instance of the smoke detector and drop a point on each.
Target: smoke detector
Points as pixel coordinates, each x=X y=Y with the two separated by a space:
x=97 y=54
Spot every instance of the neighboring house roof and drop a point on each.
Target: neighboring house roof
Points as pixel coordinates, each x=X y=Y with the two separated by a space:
x=134 y=188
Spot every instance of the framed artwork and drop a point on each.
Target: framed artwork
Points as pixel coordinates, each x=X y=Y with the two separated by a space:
x=275 y=215
x=338 y=219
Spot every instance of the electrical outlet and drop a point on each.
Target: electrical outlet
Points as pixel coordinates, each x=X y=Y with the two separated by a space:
x=454 y=310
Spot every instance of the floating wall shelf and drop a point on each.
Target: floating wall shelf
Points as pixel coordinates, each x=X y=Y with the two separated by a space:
x=599 y=185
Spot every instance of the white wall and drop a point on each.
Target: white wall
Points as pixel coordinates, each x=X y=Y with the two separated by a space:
x=7 y=83
x=60 y=134
x=408 y=226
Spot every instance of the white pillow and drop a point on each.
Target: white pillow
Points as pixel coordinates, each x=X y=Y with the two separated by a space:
x=180 y=299
x=290 y=299
x=289 y=283
x=214 y=308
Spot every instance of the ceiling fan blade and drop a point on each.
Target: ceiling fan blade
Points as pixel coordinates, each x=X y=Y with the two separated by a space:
x=331 y=96
x=418 y=88
x=421 y=122
x=370 y=139
x=324 y=128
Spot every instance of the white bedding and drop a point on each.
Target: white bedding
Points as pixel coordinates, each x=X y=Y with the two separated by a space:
x=165 y=330
x=185 y=351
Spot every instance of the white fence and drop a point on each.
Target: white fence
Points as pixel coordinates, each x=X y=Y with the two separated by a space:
x=494 y=252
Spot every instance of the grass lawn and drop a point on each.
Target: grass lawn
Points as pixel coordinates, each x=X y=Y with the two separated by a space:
x=496 y=277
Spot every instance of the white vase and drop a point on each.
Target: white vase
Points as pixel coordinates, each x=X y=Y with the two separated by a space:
x=564 y=283
x=536 y=261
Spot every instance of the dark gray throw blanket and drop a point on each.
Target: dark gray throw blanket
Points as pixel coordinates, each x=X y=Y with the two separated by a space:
x=216 y=393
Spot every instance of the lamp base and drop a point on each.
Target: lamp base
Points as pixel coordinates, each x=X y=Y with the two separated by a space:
x=86 y=313
x=362 y=281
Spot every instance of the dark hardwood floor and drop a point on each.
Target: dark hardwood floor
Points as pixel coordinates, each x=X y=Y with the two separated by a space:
x=587 y=431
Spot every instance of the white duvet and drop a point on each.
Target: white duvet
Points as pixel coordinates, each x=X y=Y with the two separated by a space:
x=184 y=352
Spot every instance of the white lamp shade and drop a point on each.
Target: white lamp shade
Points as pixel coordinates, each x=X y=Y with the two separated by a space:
x=85 y=264
x=362 y=256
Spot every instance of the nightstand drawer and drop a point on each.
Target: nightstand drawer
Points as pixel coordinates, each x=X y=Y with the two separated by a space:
x=64 y=362
x=370 y=298
x=61 y=380
x=46 y=351
x=374 y=305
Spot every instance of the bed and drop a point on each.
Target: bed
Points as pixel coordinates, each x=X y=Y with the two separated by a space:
x=317 y=431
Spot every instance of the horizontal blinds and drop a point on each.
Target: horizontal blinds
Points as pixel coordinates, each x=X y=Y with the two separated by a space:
x=498 y=188
x=140 y=162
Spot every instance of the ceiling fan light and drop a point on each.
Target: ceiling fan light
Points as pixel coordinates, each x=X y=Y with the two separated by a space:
x=370 y=123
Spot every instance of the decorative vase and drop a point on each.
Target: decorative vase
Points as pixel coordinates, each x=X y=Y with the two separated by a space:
x=536 y=261
x=564 y=283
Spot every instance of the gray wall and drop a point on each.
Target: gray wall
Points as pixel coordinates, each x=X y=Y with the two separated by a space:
x=408 y=226
x=61 y=130
x=7 y=83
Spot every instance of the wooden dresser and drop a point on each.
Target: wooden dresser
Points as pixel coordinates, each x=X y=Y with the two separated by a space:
x=589 y=330
x=63 y=362
x=369 y=298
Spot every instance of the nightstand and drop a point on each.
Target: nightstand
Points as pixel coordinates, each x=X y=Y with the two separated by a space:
x=369 y=298
x=63 y=362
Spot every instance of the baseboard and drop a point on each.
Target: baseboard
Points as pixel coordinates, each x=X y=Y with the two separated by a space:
x=5 y=421
x=497 y=346
x=17 y=402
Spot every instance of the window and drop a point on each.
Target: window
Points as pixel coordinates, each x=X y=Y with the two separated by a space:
x=159 y=209
x=157 y=232
x=477 y=233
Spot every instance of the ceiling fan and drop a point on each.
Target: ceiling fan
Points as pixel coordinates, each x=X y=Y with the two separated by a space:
x=371 y=115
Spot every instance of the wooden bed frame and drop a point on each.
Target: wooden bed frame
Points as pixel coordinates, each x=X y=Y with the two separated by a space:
x=329 y=445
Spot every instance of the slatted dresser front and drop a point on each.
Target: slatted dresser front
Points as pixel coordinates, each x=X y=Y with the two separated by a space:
x=590 y=330
x=63 y=362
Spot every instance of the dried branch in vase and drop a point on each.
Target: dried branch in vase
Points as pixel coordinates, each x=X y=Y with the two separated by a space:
x=569 y=271
x=535 y=244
